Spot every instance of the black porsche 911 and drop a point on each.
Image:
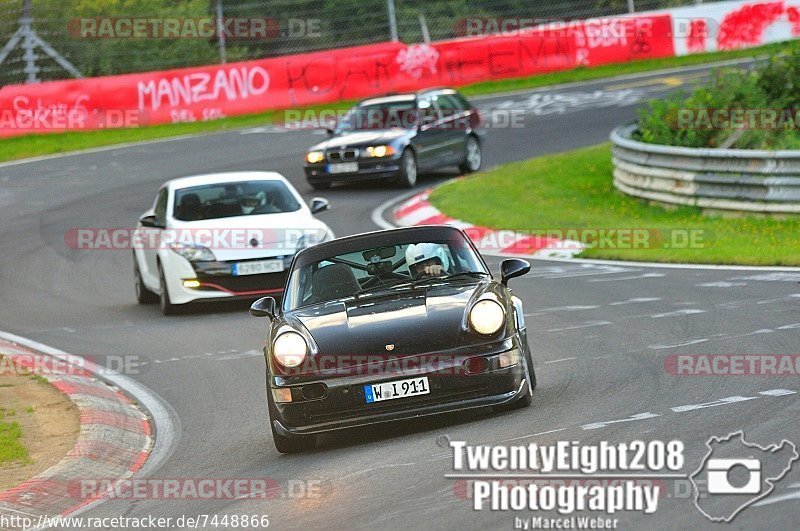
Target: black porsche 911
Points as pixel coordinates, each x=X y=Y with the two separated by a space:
x=392 y=325
x=395 y=138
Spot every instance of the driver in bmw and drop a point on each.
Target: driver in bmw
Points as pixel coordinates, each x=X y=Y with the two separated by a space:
x=427 y=260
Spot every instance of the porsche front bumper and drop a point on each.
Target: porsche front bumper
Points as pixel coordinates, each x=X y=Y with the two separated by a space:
x=339 y=402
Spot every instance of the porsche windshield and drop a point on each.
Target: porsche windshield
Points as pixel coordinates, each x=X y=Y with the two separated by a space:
x=227 y=200
x=380 y=269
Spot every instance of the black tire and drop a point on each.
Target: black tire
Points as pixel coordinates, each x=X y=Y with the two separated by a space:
x=527 y=397
x=322 y=185
x=288 y=445
x=143 y=295
x=407 y=177
x=473 y=156
x=167 y=308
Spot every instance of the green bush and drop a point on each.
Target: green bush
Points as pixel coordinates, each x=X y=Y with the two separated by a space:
x=774 y=86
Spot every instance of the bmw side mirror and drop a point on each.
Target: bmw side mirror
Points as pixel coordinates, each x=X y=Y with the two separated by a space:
x=151 y=222
x=319 y=204
x=513 y=268
x=330 y=131
x=263 y=308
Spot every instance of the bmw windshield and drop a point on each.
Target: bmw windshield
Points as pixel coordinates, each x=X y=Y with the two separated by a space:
x=384 y=115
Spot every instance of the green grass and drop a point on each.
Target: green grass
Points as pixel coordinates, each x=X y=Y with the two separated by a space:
x=11 y=449
x=38 y=378
x=574 y=190
x=38 y=145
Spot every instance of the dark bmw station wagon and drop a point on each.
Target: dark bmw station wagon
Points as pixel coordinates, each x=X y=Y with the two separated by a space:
x=395 y=138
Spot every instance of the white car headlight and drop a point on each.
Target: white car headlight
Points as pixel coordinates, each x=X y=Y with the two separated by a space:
x=193 y=253
x=290 y=349
x=487 y=317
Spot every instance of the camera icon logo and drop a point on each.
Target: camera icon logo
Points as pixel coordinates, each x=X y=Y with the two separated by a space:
x=718 y=477
x=735 y=474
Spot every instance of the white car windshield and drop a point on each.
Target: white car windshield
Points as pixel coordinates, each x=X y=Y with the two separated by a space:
x=227 y=200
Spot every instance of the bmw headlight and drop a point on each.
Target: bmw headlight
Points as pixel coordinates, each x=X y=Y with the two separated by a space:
x=290 y=349
x=380 y=151
x=487 y=317
x=193 y=253
x=313 y=157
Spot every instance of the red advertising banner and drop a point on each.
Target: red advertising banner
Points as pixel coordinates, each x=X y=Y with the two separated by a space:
x=212 y=92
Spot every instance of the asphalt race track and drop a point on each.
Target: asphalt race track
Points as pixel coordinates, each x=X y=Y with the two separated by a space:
x=600 y=334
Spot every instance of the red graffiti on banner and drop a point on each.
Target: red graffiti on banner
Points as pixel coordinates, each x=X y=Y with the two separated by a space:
x=745 y=26
x=212 y=92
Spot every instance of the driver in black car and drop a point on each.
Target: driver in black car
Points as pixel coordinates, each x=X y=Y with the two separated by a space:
x=427 y=260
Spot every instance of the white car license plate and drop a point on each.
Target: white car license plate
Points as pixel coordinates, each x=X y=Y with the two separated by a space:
x=257 y=268
x=344 y=167
x=398 y=389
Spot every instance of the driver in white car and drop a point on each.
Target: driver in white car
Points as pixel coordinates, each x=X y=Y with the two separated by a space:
x=251 y=202
x=427 y=260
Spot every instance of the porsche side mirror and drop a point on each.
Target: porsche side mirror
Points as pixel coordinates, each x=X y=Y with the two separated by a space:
x=330 y=131
x=151 y=222
x=263 y=308
x=319 y=204
x=513 y=268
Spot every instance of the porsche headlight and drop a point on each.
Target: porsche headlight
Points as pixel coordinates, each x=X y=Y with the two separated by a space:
x=290 y=349
x=314 y=157
x=487 y=317
x=380 y=151
x=193 y=253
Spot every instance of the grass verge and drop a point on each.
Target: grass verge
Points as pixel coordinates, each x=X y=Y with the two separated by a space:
x=574 y=190
x=37 y=145
x=11 y=448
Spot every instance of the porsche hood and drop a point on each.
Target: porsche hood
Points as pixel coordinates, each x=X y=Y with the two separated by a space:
x=391 y=324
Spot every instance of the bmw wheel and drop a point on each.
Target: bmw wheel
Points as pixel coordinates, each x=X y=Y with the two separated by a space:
x=407 y=178
x=473 y=157
x=143 y=295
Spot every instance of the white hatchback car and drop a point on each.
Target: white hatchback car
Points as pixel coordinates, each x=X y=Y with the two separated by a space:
x=222 y=236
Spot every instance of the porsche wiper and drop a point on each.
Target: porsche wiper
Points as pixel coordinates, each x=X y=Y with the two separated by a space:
x=468 y=274
x=378 y=289
x=419 y=282
x=454 y=276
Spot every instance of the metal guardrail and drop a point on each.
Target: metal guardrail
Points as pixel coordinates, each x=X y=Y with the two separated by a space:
x=719 y=179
